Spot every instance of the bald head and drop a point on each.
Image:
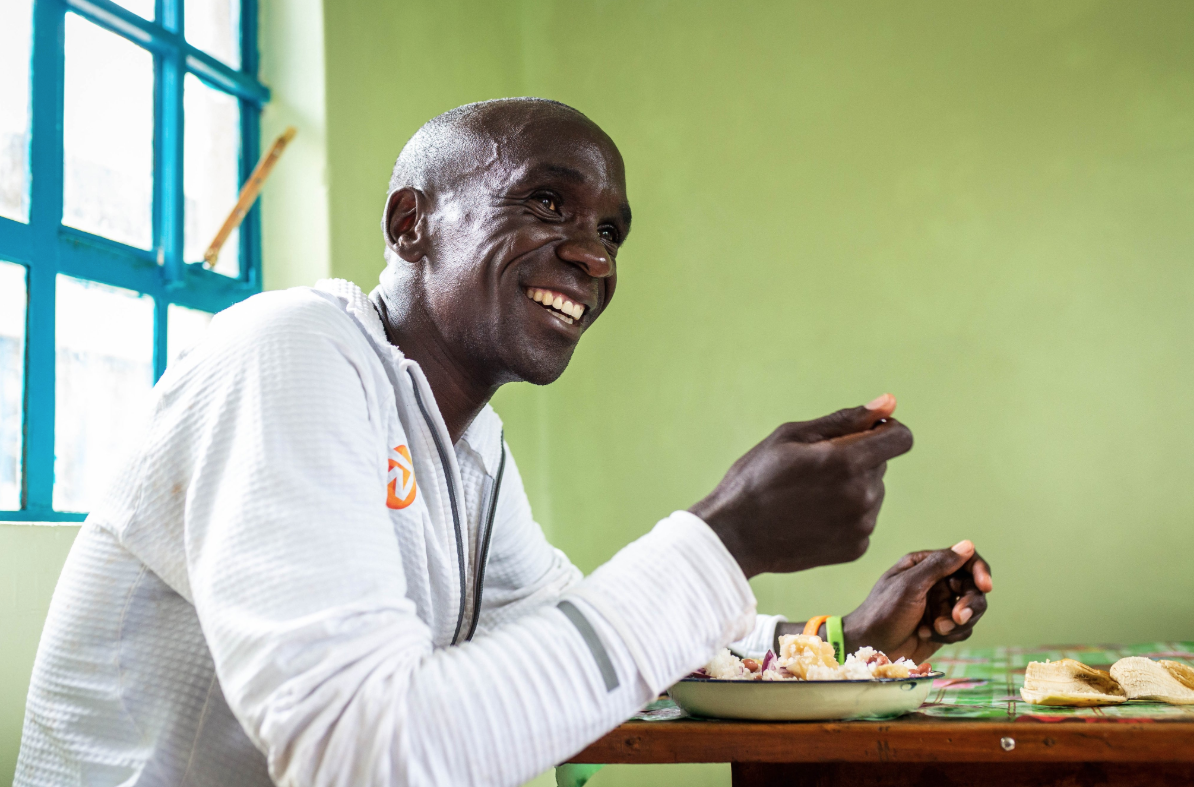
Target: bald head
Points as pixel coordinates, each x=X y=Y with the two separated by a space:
x=455 y=145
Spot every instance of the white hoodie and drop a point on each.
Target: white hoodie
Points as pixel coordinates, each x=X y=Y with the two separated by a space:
x=274 y=586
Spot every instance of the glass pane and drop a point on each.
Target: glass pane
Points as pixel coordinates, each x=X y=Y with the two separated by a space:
x=104 y=338
x=211 y=171
x=12 y=382
x=184 y=328
x=142 y=8
x=107 y=135
x=214 y=27
x=16 y=39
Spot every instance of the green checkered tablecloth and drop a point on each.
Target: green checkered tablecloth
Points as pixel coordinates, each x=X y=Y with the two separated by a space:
x=984 y=683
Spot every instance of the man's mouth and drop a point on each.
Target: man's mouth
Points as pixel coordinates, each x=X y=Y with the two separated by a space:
x=556 y=303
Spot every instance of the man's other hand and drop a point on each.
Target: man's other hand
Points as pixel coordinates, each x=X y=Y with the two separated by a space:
x=808 y=495
x=925 y=600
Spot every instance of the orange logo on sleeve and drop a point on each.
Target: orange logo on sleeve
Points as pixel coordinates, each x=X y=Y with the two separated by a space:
x=400 y=492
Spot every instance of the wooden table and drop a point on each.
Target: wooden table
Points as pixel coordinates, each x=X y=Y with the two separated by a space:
x=972 y=730
x=914 y=752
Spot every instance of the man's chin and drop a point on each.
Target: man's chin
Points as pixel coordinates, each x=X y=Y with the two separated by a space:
x=542 y=368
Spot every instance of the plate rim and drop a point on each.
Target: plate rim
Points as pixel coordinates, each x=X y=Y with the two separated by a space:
x=934 y=675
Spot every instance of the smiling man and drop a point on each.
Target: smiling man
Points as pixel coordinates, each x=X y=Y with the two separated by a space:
x=320 y=566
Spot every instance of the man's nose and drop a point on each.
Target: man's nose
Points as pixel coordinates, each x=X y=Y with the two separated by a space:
x=589 y=254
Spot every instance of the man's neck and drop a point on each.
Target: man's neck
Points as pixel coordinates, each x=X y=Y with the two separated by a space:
x=460 y=396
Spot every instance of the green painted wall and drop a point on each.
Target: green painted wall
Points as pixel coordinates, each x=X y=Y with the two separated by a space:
x=31 y=557
x=984 y=208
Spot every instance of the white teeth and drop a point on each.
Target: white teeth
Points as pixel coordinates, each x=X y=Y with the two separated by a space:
x=569 y=312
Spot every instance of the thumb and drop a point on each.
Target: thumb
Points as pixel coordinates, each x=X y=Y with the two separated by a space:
x=940 y=564
x=844 y=422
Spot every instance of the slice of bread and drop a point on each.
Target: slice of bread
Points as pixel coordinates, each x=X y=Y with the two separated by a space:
x=1070 y=683
x=1158 y=681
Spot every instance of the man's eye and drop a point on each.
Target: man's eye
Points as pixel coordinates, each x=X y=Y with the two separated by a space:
x=609 y=235
x=547 y=201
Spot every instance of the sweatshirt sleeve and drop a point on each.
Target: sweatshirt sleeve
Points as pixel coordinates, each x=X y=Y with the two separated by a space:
x=296 y=578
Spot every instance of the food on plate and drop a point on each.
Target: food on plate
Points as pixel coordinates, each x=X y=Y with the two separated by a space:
x=1069 y=682
x=804 y=657
x=1159 y=681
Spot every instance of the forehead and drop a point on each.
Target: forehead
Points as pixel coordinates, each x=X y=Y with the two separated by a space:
x=561 y=150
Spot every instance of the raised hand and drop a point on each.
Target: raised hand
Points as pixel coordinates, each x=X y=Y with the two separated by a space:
x=925 y=600
x=809 y=494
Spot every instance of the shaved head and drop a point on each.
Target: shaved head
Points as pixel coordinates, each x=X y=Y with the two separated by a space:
x=460 y=141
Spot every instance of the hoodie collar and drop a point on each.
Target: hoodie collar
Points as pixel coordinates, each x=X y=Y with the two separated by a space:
x=359 y=305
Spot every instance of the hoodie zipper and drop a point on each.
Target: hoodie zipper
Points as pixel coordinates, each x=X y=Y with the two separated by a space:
x=483 y=555
x=443 y=458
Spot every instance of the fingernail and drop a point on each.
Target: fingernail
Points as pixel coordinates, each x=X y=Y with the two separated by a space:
x=924 y=632
x=881 y=402
x=965 y=615
x=963 y=547
x=944 y=625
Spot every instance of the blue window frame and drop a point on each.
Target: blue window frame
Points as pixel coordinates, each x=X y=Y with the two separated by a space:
x=47 y=247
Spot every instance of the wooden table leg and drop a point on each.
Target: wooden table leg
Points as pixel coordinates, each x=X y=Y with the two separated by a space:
x=957 y=774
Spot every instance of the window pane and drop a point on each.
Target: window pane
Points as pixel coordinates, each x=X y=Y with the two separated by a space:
x=184 y=328
x=211 y=171
x=142 y=8
x=104 y=370
x=12 y=382
x=107 y=135
x=16 y=39
x=214 y=27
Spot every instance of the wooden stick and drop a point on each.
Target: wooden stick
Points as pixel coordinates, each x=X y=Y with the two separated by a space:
x=248 y=194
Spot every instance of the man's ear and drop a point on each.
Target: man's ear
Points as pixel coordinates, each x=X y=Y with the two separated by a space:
x=406 y=224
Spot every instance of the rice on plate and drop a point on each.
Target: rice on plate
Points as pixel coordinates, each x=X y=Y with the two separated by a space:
x=807 y=657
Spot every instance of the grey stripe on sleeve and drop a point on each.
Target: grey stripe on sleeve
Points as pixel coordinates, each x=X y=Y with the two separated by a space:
x=593 y=641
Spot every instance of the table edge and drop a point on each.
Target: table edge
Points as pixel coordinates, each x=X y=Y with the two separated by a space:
x=645 y=742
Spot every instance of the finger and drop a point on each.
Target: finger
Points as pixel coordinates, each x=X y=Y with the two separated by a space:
x=939 y=613
x=963 y=616
x=938 y=602
x=843 y=422
x=926 y=646
x=874 y=447
x=940 y=564
x=909 y=560
x=981 y=571
x=957 y=635
x=969 y=608
x=906 y=562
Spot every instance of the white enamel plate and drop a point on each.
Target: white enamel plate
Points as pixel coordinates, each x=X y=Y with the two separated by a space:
x=799 y=700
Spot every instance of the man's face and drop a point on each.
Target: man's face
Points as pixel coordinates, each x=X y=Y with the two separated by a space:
x=522 y=249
